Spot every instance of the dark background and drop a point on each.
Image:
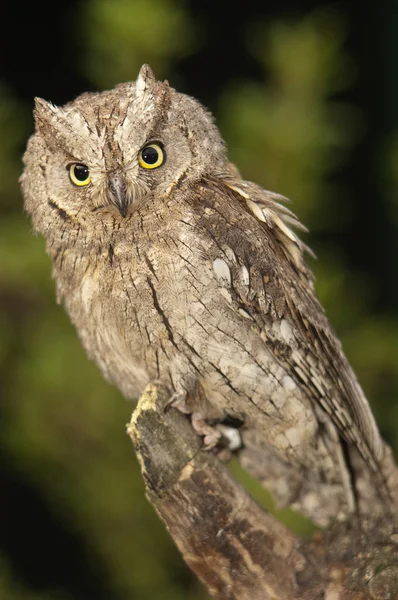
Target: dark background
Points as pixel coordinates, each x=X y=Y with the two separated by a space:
x=306 y=95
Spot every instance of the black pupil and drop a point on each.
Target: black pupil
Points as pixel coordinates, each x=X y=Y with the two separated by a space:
x=150 y=155
x=81 y=172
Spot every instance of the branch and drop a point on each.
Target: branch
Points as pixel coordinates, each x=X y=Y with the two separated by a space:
x=238 y=549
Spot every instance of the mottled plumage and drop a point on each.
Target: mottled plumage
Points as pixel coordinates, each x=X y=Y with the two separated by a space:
x=188 y=275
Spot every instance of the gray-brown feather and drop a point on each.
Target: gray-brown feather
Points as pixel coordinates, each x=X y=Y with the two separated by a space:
x=203 y=286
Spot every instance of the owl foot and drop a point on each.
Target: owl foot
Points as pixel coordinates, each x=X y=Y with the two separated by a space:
x=178 y=401
x=223 y=439
x=211 y=435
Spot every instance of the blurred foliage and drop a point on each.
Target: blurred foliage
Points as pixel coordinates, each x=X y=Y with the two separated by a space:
x=13 y=127
x=122 y=35
x=62 y=426
x=290 y=134
x=11 y=590
x=389 y=169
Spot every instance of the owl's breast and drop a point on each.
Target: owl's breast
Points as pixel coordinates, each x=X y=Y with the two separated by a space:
x=103 y=305
x=131 y=308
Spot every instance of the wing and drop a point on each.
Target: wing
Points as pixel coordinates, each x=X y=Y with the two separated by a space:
x=273 y=285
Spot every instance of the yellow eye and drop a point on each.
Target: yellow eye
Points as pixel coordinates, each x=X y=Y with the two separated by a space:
x=151 y=156
x=79 y=174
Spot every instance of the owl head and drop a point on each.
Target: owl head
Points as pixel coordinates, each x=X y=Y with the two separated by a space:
x=111 y=150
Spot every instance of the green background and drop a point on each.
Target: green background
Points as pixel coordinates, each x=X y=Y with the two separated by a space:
x=306 y=97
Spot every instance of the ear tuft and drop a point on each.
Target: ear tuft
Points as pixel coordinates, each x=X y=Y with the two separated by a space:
x=145 y=80
x=44 y=112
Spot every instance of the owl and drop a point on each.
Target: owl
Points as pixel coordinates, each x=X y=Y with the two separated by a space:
x=175 y=270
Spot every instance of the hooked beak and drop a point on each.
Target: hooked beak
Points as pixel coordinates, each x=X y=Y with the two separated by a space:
x=117 y=192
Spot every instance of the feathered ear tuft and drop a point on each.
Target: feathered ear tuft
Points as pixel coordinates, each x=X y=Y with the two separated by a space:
x=145 y=80
x=60 y=129
x=44 y=113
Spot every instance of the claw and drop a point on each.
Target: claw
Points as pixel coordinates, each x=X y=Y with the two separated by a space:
x=211 y=436
x=177 y=401
x=226 y=437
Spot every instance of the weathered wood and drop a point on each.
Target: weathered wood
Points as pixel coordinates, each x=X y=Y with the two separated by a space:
x=237 y=549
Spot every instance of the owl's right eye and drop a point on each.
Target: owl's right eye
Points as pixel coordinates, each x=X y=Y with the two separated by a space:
x=79 y=174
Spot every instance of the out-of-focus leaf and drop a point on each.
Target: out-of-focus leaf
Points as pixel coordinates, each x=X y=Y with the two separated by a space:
x=290 y=133
x=13 y=128
x=12 y=590
x=121 y=35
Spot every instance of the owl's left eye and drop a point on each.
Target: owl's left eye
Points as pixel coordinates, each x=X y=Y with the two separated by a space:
x=79 y=174
x=151 y=156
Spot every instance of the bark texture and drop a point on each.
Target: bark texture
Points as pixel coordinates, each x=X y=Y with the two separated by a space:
x=237 y=549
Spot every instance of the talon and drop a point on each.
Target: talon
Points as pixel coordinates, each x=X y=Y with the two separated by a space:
x=211 y=436
x=227 y=438
x=212 y=439
x=177 y=401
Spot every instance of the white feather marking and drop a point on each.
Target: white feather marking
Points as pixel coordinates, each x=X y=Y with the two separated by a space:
x=225 y=293
x=301 y=373
x=294 y=436
x=238 y=191
x=88 y=288
x=256 y=210
x=325 y=405
x=245 y=275
x=288 y=232
x=286 y=331
x=269 y=210
x=245 y=314
x=229 y=253
x=288 y=383
x=295 y=253
x=149 y=107
x=297 y=357
x=140 y=85
x=318 y=386
x=222 y=271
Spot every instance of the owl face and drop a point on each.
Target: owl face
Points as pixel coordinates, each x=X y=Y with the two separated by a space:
x=110 y=151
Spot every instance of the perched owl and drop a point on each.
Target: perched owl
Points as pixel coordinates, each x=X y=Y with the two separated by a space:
x=175 y=270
